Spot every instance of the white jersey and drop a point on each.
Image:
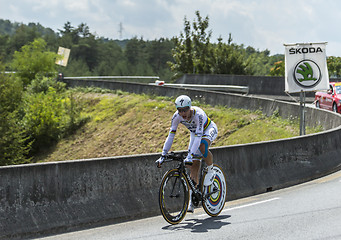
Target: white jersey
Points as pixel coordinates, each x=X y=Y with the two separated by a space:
x=200 y=127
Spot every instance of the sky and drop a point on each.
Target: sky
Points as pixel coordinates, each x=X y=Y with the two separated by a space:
x=261 y=24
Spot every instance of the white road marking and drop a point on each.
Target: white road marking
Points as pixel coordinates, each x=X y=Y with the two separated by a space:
x=251 y=204
x=246 y=205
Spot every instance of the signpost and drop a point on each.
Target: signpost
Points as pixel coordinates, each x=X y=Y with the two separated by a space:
x=305 y=71
x=65 y=53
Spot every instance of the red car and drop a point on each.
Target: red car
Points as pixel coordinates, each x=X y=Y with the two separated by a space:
x=331 y=99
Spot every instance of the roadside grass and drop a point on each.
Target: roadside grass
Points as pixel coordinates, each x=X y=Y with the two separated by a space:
x=121 y=123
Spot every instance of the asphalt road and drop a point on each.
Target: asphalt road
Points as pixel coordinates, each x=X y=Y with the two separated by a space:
x=307 y=211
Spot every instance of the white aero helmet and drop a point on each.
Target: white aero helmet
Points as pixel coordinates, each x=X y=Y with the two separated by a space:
x=183 y=101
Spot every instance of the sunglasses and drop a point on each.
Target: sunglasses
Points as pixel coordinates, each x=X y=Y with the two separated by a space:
x=184 y=109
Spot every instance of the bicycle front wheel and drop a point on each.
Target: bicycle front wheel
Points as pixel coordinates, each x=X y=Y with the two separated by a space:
x=215 y=194
x=174 y=196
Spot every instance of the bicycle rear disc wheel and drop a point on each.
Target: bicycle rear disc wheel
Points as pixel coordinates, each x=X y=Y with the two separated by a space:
x=215 y=193
x=173 y=196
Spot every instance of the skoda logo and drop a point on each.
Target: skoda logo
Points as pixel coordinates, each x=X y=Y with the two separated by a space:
x=307 y=74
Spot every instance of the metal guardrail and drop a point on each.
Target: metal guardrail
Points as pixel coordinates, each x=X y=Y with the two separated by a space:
x=114 y=77
x=225 y=88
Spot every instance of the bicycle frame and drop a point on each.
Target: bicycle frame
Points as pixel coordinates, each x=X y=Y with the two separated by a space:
x=182 y=169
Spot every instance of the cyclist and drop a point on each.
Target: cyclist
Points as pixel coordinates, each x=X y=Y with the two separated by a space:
x=203 y=131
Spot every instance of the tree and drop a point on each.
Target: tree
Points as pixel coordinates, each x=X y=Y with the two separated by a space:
x=132 y=51
x=69 y=35
x=227 y=59
x=3 y=47
x=77 y=68
x=194 y=53
x=201 y=44
x=86 y=50
x=334 y=66
x=182 y=52
x=13 y=143
x=83 y=30
x=33 y=59
x=83 y=44
x=159 y=53
x=109 y=54
x=22 y=36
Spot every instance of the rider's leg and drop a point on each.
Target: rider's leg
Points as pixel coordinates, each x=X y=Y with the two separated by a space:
x=195 y=168
x=204 y=149
x=195 y=171
x=208 y=157
x=190 y=204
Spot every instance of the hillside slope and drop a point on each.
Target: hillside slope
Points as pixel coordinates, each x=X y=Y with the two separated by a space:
x=125 y=124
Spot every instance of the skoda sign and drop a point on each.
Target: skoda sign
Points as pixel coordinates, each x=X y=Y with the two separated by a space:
x=306 y=67
x=307 y=74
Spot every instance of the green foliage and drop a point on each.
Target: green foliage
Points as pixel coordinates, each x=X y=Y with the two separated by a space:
x=227 y=59
x=77 y=68
x=87 y=50
x=33 y=59
x=144 y=57
x=99 y=56
x=6 y=27
x=43 y=84
x=14 y=147
x=44 y=116
x=34 y=119
x=49 y=115
x=93 y=90
x=191 y=52
x=109 y=55
x=13 y=142
x=334 y=66
x=278 y=69
x=194 y=53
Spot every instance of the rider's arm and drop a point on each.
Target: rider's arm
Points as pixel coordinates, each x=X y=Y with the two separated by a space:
x=197 y=136
x=191 y=139
x=196 y=143
x=171 y=134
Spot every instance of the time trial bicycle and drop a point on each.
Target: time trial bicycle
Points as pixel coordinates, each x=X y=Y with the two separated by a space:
x=175 y=186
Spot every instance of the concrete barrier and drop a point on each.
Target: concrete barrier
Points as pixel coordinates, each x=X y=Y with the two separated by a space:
x=259 y=85
x=263 y=85
x=52 y=197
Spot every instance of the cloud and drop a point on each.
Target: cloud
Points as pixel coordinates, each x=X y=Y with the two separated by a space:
x=262 y=24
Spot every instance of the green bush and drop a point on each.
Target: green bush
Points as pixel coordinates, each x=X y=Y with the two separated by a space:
x=37 y=118
x=34 y=59
x=48 y=116
x=13 y=141
x=42 y=84
x=14 y=145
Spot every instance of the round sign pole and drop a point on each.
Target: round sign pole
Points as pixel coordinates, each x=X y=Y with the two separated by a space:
x=302 y=108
